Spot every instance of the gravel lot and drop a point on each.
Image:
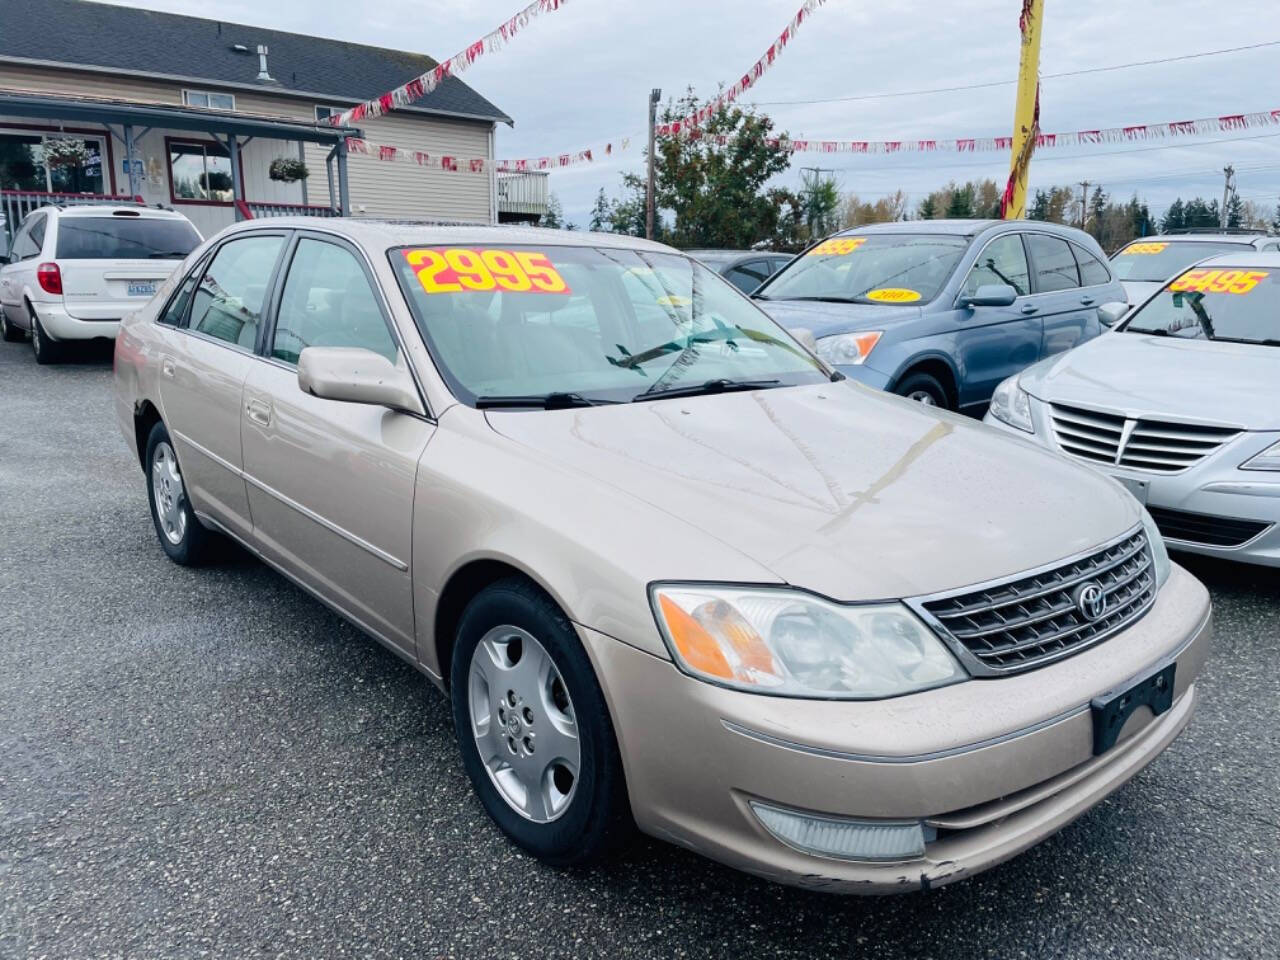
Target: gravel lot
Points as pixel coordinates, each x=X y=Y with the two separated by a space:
x=209 y=763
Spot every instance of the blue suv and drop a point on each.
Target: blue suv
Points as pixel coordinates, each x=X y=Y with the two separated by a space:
x=941 y=311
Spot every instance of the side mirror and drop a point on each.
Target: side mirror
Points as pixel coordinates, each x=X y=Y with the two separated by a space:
x=1109 y=314
x=991 y=295
x=806 y=337
x=355 y=375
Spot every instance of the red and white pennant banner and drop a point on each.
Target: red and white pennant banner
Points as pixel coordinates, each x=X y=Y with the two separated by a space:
x=420 y=86
x=758 y=70
x=431 y=161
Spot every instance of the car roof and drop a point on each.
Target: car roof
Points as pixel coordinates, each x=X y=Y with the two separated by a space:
x=1270 y=258
x=1244 y=239
x=723 y=256
x=965 y=228
x=100 y=209
x=376 y=233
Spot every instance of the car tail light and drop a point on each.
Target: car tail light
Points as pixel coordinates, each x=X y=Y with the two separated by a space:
x=50 y=278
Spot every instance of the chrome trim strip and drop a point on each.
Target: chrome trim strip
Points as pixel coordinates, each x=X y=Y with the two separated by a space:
x=225 y=464
x=328 y=524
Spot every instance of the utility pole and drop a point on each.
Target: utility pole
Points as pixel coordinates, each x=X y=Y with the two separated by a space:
x=654 y=96
x=1227 y=189
x=1084 y=203
x=1025 y=125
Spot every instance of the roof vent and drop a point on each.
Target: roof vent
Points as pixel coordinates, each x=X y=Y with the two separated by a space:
x=263 y=75
x=239 y=48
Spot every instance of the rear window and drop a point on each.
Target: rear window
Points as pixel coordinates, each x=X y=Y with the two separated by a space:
x=125 y=238
x=1158 y=260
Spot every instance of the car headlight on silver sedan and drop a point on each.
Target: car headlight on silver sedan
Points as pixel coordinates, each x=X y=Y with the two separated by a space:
x=788 y=643
x=848 y=349
x=1268 y=459
x=1012 y=405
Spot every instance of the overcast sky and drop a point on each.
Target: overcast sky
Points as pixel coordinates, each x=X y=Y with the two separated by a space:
x=580 y=77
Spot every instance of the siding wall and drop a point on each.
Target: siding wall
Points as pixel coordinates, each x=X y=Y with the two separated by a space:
x=378 y=188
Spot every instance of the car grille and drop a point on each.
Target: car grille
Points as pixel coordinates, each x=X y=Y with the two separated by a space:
x=1156 y=446
x=1024 y=623
x=1206 y=530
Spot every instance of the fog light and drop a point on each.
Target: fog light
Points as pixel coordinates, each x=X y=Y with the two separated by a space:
x=843 y=839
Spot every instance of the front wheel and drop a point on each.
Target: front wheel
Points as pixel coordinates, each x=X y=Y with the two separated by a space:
x=181 y=534
x=923 y=388
x=533 y=727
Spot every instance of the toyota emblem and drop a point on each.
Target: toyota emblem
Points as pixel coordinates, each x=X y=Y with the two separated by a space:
x=1091 y=601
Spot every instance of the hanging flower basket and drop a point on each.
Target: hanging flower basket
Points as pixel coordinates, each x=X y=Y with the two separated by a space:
x=66 y=153
x=215 y=181
x=287 y=170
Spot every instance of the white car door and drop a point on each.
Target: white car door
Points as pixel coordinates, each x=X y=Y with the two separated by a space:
x=19 y=274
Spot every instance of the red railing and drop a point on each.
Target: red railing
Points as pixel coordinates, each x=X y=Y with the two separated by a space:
x=16 y=204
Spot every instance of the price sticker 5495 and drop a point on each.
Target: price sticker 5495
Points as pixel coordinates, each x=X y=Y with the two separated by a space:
x=1218 y=281
x=837 y=247
x=469 y=270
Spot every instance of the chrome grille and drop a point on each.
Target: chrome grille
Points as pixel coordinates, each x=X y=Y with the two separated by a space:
x=1155 y=446
x=1023 y=623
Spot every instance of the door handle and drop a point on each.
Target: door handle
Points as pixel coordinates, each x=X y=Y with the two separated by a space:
x=1030 y=308
x=1087 y=301
x=167 y=368
x=259 y=412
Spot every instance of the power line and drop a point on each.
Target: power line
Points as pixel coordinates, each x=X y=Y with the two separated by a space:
x=1007 y=83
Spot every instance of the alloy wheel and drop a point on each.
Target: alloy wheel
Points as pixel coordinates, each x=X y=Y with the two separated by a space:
x=37 y=340
x=169 y=494
x=523 y=723
x=923 y=396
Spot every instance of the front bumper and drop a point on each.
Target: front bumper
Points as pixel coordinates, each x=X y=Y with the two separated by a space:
x=866 y=375
x=1213 y=488
x=60 y=325
x=994 y=766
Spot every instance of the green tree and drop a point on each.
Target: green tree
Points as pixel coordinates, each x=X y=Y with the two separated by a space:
x=928 y=209
x=554 y=217
x=1275 y=221
x=820 y=202
x=1235 y=212
x=1175 y=218
x=1039 y=207
x=1097 y=212
x=960 y=207
x=601 y=214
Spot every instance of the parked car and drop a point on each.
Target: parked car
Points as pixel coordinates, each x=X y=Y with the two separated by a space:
x=745 y=269
x=942 y=310
x=670 y=568
x=1181 y=405
x=1144 y=265
x=73 y=272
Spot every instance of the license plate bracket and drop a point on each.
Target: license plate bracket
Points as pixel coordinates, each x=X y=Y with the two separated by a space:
x=1139 y=488
x=1111 y=710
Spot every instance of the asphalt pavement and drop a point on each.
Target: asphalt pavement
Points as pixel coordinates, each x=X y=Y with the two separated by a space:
x=208 y=763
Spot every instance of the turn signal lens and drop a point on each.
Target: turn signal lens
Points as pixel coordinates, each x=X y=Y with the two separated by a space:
x=1268 y=459
x=49 y=277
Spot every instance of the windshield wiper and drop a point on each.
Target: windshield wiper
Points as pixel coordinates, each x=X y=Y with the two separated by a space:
x=721 y=385
x=166 y=255
x=1262 y=343
x=538 y=401
x=819 y=299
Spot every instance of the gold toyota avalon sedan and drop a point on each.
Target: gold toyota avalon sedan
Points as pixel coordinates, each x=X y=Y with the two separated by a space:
x=673 y=571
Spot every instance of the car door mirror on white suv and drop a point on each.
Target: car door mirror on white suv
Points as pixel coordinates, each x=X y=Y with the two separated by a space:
x=1109 y=314
x=991 y=295
x=356 y=375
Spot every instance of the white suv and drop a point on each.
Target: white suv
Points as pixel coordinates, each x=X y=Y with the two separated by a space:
x=72 y=273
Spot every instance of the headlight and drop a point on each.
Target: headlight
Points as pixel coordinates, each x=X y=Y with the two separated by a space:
x=1010 y=404
x=787 y=643
x=1158 y=550
x=848 y=348
x=1268 y=459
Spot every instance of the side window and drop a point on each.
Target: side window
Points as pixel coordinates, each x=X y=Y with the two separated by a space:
x=37 y=233
x=1055 y=266
x=328 y=302
x=227 y=305
x=747 y=276
x=1093 y=272
x=177 y=305
x=24 y=246
x=1003 y=261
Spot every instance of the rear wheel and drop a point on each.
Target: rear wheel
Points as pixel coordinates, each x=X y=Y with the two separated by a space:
x=181 y=534
x=46 y=350
x=533 y=728
x=923 y=388
x=8 y=331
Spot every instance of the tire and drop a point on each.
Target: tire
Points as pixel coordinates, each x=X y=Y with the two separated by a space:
x=502 y=708
x=923 y=388
x=184 y=538
x=8 y=332
x=47 y=351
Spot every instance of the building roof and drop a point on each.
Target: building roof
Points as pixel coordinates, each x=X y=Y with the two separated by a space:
x=148 y=43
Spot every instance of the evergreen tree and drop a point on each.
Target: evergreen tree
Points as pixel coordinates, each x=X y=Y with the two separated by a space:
x=554 y=217
x=928 y=209
x=961 y=205
x=1175 y=218
x=1097 y=209
x=1235 y=212
x=1275 y=223
x=601 y=214
x=1039 y=207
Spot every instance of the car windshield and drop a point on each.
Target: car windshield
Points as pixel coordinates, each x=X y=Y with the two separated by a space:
x=1158 y=260
x=1235 y=304
x=595 y=324
x=125 y=238
x=873 y=268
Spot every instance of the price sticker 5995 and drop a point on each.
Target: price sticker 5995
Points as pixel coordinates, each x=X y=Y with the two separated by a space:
x=469 y=270
x=837 y=247
x=1218 y=281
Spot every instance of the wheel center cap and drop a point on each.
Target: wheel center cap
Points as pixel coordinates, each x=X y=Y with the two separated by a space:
x=513 y=724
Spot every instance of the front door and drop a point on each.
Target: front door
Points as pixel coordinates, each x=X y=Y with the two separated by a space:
x=331 y=483
x=203 y=370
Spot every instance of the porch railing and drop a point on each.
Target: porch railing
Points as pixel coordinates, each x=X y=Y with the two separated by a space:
x=257 y=209
x=524 y=193
x=16 y=204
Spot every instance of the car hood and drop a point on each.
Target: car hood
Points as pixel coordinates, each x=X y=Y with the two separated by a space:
x=1137 y=291
x=843 y=490
x=825 y=319
x=1164 y=377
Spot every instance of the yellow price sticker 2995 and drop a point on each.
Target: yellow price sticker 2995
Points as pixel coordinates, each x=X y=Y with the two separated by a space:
x=1148 y=248
x=1218 y=281
x=837 y=247
x=467 y=270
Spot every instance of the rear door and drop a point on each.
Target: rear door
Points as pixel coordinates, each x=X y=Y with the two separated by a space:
x=203 y=370
x=1069 y=314
x=112 y=263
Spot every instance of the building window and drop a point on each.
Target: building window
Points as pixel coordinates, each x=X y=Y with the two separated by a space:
x=203 y=98
x=54 y=163
x=200 y=172
x=324 y=113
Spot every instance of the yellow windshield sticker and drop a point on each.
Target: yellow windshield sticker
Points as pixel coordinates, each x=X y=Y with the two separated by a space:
x=674 y=301
x=1144 y=249
x=837 y=247
x=894 y=295
x=1218 y=281
x=468 y=270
